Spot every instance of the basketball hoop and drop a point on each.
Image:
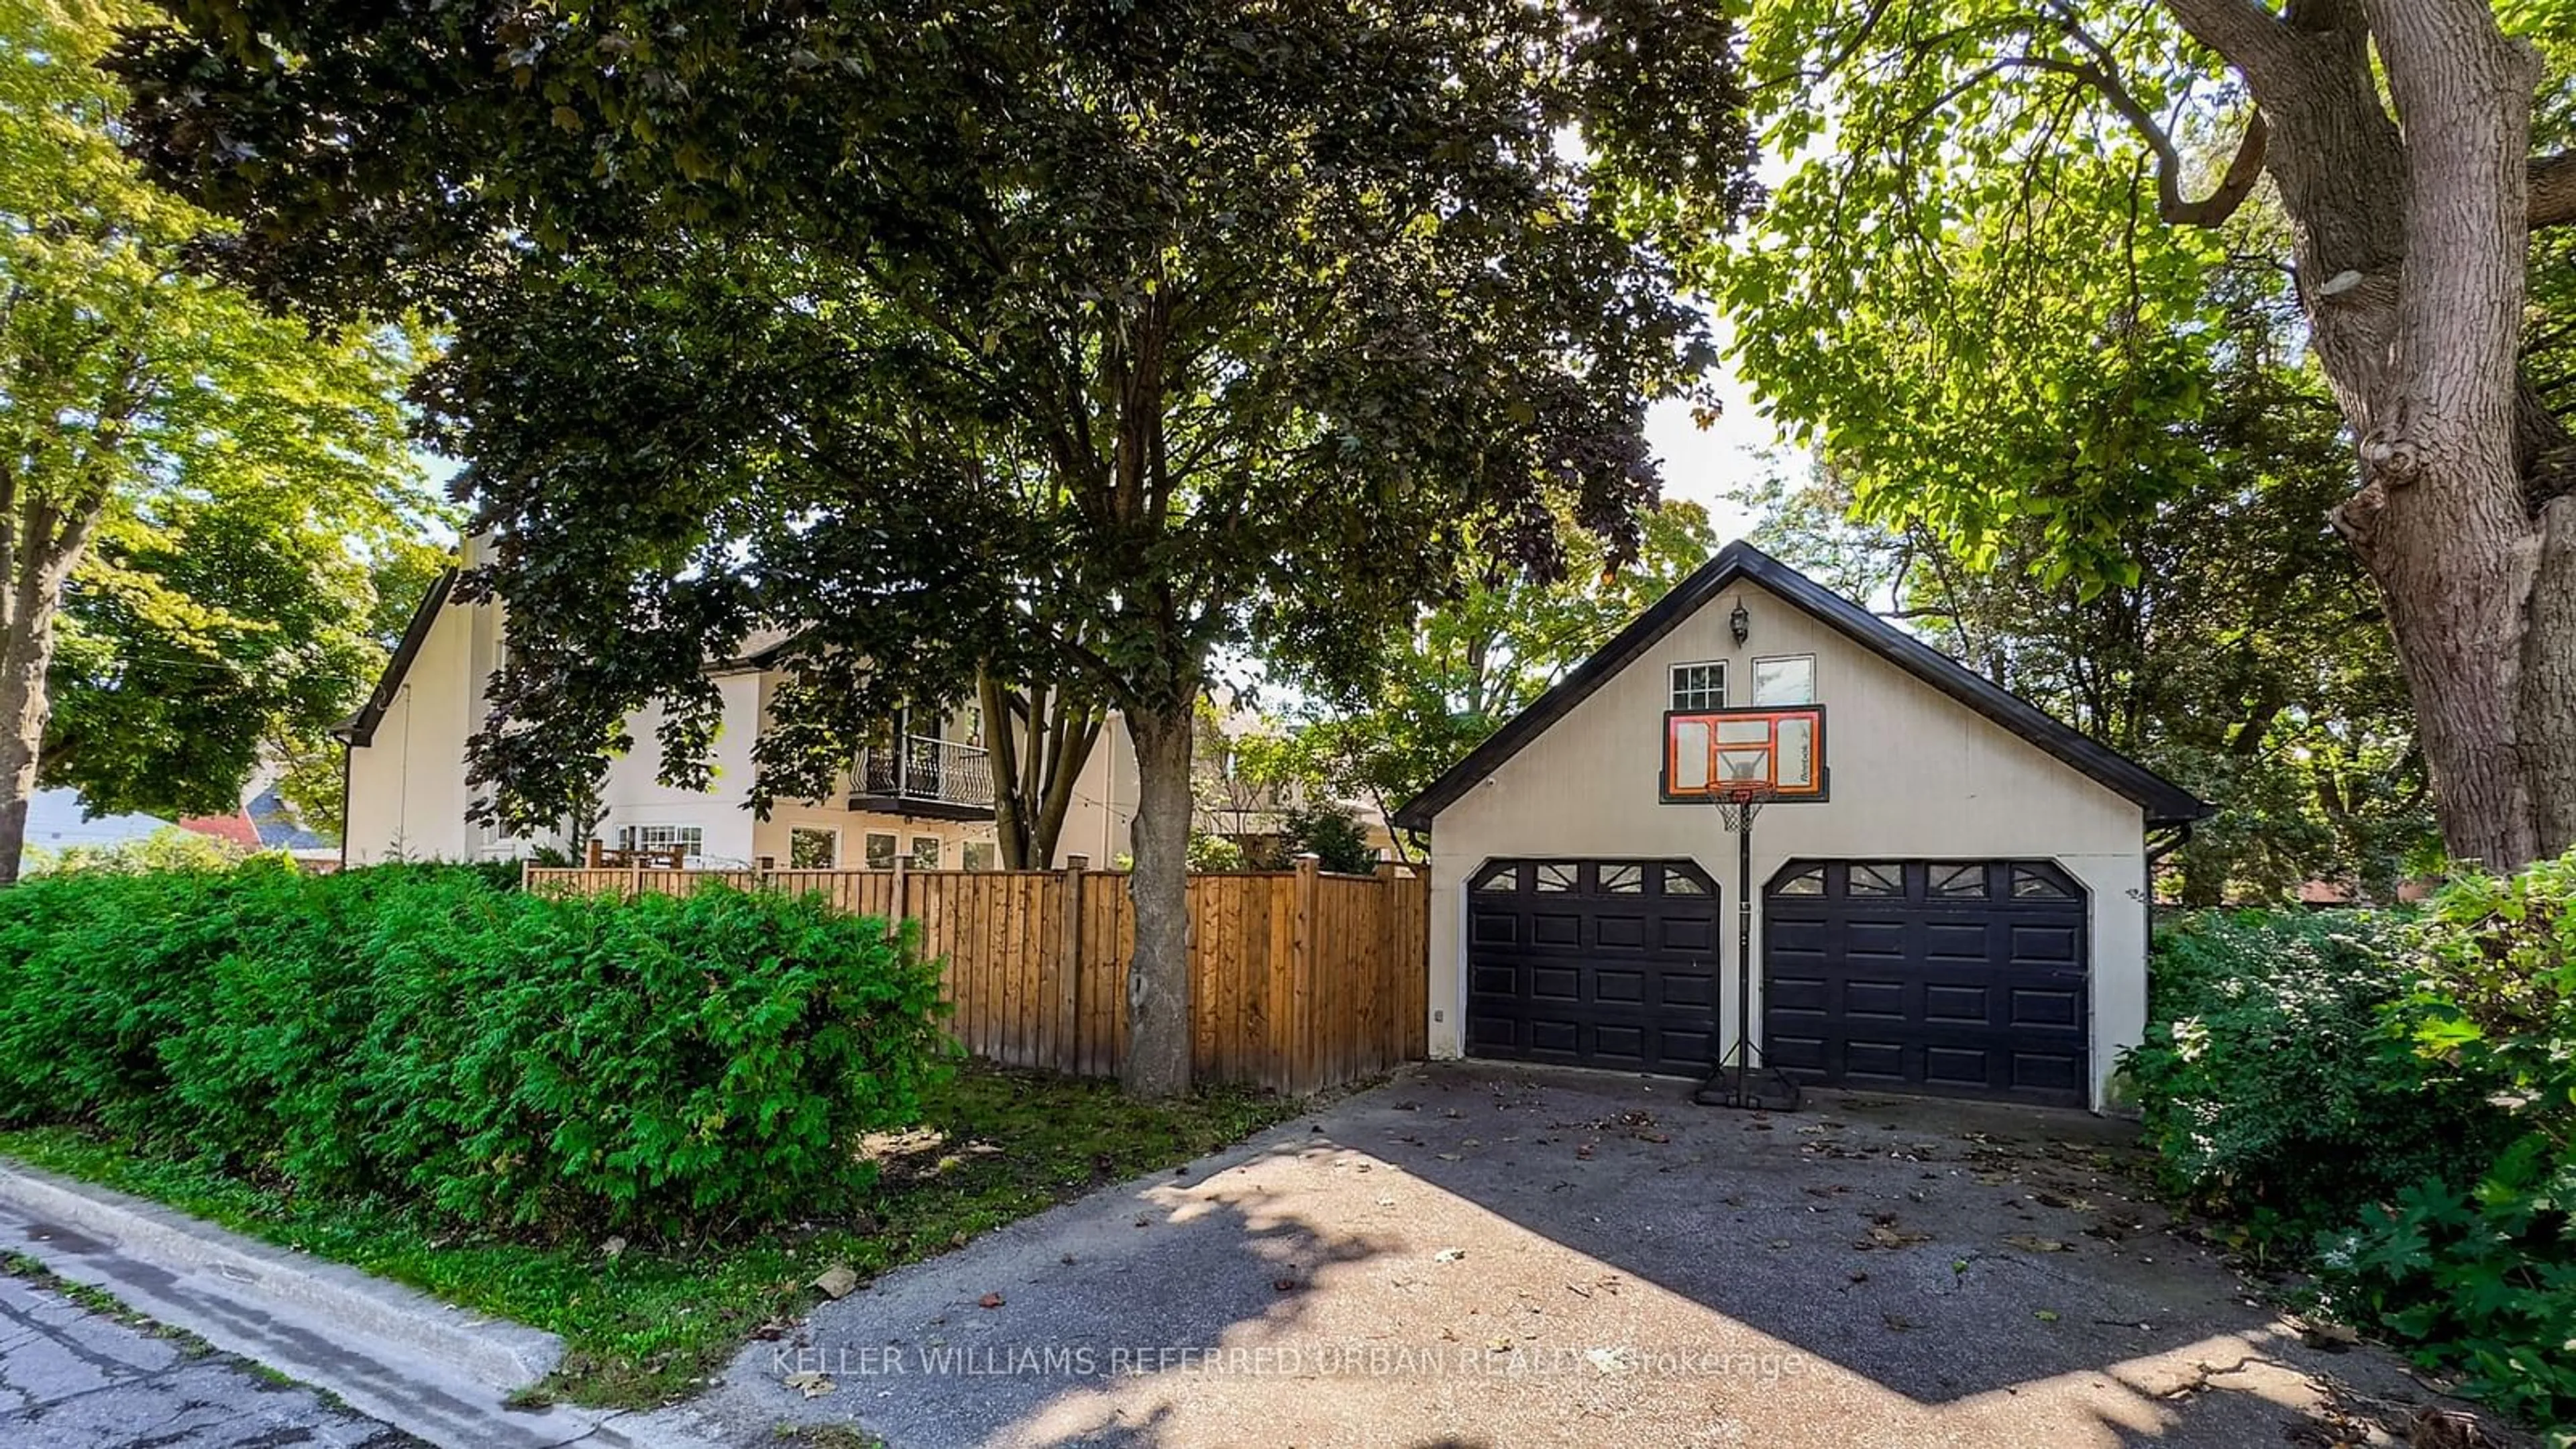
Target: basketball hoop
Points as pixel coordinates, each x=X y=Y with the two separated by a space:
x=1738 y=801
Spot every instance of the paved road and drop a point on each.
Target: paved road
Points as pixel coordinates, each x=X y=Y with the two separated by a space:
x=1475 y=1257
x=74 y=1378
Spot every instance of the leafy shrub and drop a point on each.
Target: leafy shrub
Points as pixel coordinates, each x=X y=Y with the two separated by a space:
x=2396 y=1098
x=1215 y=854
x=663 y=1065
x=2478 y=1264
x=2264 y=1081
x=1333 y=833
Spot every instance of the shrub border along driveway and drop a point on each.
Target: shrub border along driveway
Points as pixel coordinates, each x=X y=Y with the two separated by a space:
x=645 y=1327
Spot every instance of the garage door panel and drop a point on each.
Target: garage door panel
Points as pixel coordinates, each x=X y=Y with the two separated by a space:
x=1882 y=1061
x=2048 y=1072
x=1874 y=938
x=1556 y=929
x=1912 y=990
x=1609 y=966
x=1619 y=1046
x=1874 y=998
x=1955 y=1003
x=1690 y=990
x=1796 y=1053
x=1554 y=983
x=2045 y=945
x=1682 y=1050
x=2046 y=1006
x=1683 y=933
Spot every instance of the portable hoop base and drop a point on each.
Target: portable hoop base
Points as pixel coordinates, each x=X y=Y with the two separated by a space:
x=1773 y=1090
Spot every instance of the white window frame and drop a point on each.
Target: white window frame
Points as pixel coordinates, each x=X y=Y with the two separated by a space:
x=1759 y=660
x=690 y=839
x=1675 y=691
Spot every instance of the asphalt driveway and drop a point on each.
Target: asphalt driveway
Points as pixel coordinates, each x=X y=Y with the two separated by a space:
x=1489 y=1256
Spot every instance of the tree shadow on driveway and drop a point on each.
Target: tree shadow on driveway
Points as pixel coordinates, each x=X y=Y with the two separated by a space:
x=1478 y=1256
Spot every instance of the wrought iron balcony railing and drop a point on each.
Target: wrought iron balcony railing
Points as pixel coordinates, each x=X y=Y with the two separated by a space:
x=926 y=769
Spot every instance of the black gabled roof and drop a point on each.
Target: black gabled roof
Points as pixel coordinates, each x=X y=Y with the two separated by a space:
x=359 y=730
x=2165 y=802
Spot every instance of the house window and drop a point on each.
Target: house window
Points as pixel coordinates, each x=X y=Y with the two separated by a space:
x=925 y=852
x=1786 y=680
x=689 y=840
x=880 y=851
x=1699 y=686
x=812 y=848
x=979 y=854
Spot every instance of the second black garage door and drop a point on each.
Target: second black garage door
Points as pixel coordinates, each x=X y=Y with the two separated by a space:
x=1963 y=977
x=1593 y=963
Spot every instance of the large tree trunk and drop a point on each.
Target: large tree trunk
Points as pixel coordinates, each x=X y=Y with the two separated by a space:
x=1158 y=979
x=2411 y=248
x=26 y=707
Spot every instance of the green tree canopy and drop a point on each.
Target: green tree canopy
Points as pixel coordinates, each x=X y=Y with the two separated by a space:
x=2005 y=267
x=1076 y=342
x=199 y=497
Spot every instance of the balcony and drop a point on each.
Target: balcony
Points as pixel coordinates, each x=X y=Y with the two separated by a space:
x=926 y=778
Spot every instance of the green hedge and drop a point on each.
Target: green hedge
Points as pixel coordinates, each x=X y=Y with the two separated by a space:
x=2392 y=1101
x=426 y=1035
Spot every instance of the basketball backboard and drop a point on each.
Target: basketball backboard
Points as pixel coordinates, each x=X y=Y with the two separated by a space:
x=1705 y=751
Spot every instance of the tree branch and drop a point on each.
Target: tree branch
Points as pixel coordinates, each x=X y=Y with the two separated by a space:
x=2553 y=189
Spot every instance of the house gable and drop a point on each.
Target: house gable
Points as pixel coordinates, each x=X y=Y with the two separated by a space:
x=2162 y=801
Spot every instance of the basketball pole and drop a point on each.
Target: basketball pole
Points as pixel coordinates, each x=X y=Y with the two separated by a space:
x=1744 y=957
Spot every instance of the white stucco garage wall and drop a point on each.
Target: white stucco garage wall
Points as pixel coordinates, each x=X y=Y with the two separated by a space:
x=1914 y=775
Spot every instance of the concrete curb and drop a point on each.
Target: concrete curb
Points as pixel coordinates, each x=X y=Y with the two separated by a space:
x=506 y=1356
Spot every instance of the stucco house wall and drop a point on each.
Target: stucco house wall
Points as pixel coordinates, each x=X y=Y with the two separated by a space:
x=1914 y=774
x=407 y=796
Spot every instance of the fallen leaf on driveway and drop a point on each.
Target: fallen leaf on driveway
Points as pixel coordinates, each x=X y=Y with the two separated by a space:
x=1888 y=1235
x=809 y=1383
x=989 y=1300
x=2046 y=1315
x=1448 y=1255
x=2029 y=1244
x=1284 y=1285
x=838 y=1281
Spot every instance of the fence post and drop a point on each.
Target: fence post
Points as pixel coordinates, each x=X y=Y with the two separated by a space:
x=894 y=916
x=1301 y=991
x=1390 y=984
x=1071 y=1056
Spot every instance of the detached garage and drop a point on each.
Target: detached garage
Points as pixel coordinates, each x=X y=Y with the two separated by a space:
x=1949 y=886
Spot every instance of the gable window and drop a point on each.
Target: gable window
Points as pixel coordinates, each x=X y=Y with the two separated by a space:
x=880 y=851
x=1699 y=686
x=1785 y=680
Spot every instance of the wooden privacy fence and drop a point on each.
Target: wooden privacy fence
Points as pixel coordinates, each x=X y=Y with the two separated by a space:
x=1299 y=979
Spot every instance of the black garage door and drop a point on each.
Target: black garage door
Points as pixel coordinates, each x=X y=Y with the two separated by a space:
x=1963 y=977
x=1594 y=963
